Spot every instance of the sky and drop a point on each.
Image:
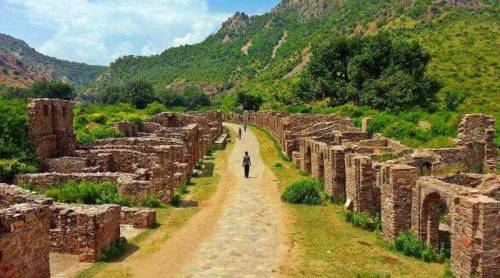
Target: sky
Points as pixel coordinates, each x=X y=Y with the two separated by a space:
x=99 y=31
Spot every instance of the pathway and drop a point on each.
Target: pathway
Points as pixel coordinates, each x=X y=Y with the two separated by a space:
x=239 y=232
x=248 y=241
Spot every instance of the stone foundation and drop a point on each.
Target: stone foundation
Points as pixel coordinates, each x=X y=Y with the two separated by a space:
x=24 y=241
x=139 y=218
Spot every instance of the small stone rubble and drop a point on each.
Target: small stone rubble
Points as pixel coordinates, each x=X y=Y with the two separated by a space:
x=432 y=192
x=153 y=159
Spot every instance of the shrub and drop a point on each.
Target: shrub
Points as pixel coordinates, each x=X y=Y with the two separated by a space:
x=305 y=191
x=114 y=250
x=150 y=201
x=278 y=165
x=10 y=168
x=87 y=193
x=88 y=136
x=412 y=245
x=176 y=200
x=183 y=189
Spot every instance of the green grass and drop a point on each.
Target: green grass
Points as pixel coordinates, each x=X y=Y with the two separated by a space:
x=329 y=246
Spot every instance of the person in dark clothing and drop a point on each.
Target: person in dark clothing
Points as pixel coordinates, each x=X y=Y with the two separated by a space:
x=245 y=127
x=239 y=133
x=246 y=164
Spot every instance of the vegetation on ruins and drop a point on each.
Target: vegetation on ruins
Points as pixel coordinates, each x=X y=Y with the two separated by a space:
x=412 y=245
x=304 y=191
x=114 y=250
x=86 y=193
x=364 y=220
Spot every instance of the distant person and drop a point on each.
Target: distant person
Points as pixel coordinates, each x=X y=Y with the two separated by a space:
x=246 y=164
x=245 y=127
x=239 y=133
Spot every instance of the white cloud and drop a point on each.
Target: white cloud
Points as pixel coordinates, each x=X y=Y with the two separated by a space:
x=99 y=31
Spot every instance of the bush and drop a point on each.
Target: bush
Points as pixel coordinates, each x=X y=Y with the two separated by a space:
x=114 y=250
x=305 y=191
x=87 y=193
x=176 y=200
x=150 y=201
x=412 y=245
x=88 y=136
x=10 y=168
x=278 y=165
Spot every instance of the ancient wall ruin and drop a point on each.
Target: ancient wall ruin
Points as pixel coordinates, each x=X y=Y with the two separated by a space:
x=152 y=159
x=51 y=127
x=24 y=241
x=435 y=193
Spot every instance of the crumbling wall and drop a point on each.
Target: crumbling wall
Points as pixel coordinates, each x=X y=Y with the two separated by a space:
x=51 y=128
x=362 y=194
x=139 y=218
x=24 y=241
x=477 y=134
x=84 y=230
x=475 y=237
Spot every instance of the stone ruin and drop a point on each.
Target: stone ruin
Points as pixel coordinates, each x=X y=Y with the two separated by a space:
x=152 y=159
x=436 y=193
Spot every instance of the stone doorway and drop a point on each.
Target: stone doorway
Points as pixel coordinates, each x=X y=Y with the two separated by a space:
x=435 y=223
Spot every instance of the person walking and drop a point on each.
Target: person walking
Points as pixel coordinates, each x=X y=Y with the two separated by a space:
x=239 y=133
x=245 y=127
x=246 y=164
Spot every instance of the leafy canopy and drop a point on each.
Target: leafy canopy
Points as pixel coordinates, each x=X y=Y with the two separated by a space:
x=380 y=72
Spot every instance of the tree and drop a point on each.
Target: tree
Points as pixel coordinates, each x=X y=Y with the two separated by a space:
x=112 y=94
x=140 y=93
x=52 y=89
x=248 y=101
x=379 y=71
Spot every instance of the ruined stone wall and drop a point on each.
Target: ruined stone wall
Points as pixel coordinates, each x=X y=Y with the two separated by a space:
x=475 y=237
x=397 y=186
x=127 y=129
x=477 y=134
x=43 y=180
x=396 y=182
x=24 y=241
x=84 y=230
x=362 y=193
x=51 y=128
x=139 y=218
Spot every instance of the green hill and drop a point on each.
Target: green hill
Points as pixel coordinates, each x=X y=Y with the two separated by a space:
x=263 y=54
x=21 y=66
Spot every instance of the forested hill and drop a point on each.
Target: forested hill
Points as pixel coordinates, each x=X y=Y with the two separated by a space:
x=264 y=53
x=21 y=66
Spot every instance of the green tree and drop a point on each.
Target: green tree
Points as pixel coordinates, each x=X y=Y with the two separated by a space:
x=248 y=101
x=52 y=89
x=380 y=71
x=140 y=93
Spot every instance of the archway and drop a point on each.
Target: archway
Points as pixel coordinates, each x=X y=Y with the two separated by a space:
x=435 y=223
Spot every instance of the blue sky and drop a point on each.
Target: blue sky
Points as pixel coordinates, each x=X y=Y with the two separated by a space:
x=99 y=31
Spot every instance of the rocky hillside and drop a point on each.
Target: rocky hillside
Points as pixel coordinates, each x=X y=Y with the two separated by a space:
x=264 y=54
x=21 y=65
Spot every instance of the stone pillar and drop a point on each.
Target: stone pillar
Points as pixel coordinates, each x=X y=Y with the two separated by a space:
x=335 y=172
x=364 y=124
x=475 y=247
x=50 y=128
x=163 y=173
x=396 y=197
x=360 y=183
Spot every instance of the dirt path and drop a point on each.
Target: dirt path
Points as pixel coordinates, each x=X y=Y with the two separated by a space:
x=249 y=239
x=239 y=232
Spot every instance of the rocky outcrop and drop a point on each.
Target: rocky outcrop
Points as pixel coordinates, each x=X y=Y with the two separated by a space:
x=235 y=26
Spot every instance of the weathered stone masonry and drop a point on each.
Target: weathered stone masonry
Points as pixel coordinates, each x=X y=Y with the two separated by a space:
x=431 y=192
x=152 y=159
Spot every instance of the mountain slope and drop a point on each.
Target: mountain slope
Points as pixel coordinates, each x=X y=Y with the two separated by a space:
x=21 y=65
x=462 y=36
